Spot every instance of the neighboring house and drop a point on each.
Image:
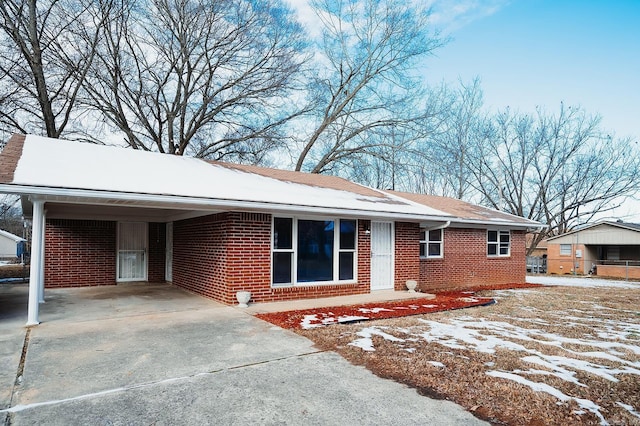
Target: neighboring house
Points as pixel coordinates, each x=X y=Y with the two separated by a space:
x=610 y=249
x=103 y=215
x=541 y=247
x=11 y=245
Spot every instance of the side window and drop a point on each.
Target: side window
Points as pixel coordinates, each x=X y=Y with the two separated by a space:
x=431 y=243
x=498 y=243
x=565 y=249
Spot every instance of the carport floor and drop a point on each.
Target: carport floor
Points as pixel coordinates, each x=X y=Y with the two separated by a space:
x=160 y=355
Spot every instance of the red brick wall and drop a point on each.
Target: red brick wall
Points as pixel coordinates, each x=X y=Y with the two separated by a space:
x=407 y=256
x=217 y=255
x=157 y=257
x=465 y=262
x=79 y=253
x=199 y=255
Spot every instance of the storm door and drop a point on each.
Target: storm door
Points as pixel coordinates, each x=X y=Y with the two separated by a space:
x=381 y=256
x=132 y=251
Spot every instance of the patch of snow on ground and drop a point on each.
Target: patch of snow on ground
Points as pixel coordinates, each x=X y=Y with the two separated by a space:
x=629 y=408
x=366 y=341
x=374 y=310
x=580 y=282
x=543 y=387
x=309 y=321
x=436 y=364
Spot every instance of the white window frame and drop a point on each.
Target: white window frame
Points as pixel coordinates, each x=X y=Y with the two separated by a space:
x=566 y=249
x=294 y=252
x=426 y=241
x=498 y=243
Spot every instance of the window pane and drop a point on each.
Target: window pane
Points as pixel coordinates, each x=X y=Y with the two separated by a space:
x=504 y=237
x=315 y=250
x=565 y=249
x=492 y=236
x=492 y=249
x=282 y=267
x=347 y=234
x=423 y=249
x=346 y=266
x=434 y=249
x=504 y=250
x=423 y=235
x=435 y=235
x=282 y=231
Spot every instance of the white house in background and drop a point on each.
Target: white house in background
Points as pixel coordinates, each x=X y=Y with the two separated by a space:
x=9 y=244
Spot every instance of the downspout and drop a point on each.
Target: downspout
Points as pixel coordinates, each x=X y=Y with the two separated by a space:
x=445 y=225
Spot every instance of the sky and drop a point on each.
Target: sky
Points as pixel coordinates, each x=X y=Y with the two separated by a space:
x=539 y=53
x=530 y=53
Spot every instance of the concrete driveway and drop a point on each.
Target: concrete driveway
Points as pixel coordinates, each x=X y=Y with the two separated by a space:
x=155 y=354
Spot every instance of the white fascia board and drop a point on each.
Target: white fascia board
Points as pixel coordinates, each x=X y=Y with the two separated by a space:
x=194 y=203
x=476 y=223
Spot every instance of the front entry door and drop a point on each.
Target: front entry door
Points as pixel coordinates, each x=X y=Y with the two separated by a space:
x=132 y=251
x=381 y=256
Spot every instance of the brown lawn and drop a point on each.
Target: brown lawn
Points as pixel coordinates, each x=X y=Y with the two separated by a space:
x=547 y=356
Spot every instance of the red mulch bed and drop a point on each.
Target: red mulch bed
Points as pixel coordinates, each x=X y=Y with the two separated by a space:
x=444 y=301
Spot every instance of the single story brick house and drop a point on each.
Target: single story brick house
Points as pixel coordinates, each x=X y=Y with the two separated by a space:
x=104 y=215
x=607 y=249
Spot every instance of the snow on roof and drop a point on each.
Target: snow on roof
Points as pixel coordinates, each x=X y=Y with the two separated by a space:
x=67 y=165
x=11 y=236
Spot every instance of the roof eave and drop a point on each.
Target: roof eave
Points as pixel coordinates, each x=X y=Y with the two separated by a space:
x=506 y=224
x=187 y=202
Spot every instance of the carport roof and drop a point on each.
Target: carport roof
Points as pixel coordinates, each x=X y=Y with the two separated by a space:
x=83 y=173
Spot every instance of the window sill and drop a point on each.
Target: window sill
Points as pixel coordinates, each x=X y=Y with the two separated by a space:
x=313 y=284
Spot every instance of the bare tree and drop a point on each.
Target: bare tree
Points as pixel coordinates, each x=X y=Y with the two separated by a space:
x=364 y=83
x=211 y=79
x=47 y=49
x=447 y=149
x=558 y=169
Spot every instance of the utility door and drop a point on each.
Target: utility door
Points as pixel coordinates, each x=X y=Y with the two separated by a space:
x=132 y=251
x=381 y=256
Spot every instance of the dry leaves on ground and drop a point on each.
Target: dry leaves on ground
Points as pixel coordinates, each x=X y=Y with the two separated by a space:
x=553 y=355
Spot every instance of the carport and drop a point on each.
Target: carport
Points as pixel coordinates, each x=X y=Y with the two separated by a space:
x=108 y=215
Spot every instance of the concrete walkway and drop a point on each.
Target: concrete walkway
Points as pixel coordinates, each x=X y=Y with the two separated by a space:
x=159 y=355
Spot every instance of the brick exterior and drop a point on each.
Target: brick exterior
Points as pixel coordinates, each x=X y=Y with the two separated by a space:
x=217 y=255
x=81 y=253
x=157 y=257
x=465 y=262
x=407 y=254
